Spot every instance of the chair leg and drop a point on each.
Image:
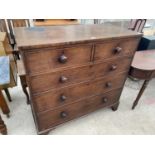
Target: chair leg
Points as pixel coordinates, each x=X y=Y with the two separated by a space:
x=3 y=105
x=140 y=93
x=16 y=54
x=3 y=129
x=8 y=94
x=24 y=86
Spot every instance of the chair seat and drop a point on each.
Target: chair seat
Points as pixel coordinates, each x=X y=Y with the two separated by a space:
x=5 y=70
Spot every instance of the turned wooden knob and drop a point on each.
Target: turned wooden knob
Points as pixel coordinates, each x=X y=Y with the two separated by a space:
x=117 y=50
x=108 y=84
x=63 y=114
x=63 y=79
x=62 y=59
x=105 y=99
x=113 y=67
x=63 y=97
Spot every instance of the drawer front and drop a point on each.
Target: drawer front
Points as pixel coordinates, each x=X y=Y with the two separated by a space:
x=115 y=48
x=66 y=95
x=52 y=118
x=45 y=60
x=63 y=78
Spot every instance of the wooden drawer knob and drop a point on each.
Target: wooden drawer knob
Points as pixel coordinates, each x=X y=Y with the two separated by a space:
x=118 y=50
x=105 y=99
x=62 y=59
x=108 y=84
x=63 y=114
x=113 y=67
x=63 y=97
x=63 y=79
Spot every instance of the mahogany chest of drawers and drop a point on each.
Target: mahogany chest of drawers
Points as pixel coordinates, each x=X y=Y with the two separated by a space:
x=74 y=70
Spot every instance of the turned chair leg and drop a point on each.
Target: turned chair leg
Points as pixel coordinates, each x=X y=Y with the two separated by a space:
x=8 y=94
x=3 y=129
x=16 y=54
x=24 y=86
x=140 y=93
x=4 y=106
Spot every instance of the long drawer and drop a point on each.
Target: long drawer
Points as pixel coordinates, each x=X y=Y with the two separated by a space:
x=69 y=94
x=45 y=60
x=44 y=82
x=52 y=118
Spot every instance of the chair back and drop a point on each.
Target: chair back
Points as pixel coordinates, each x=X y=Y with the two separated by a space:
x=3 y=28
x=12 y=23
x=20 y=22
x=137 y=25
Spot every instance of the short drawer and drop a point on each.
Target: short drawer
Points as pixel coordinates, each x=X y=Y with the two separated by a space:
x=66 y=95
x=45 y=60
x=115 y=48
x=52 y=118
x=63 y=78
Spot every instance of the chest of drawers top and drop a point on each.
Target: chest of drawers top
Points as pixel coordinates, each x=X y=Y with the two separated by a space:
x=36 y=37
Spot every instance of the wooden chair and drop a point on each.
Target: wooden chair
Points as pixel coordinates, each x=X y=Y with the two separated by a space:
x=3 y=105
x=20 y=22
x=3 y=28
x=13 y=78
x=12 y=23
x=10 y=47
x=15 y=52
x=13 y=67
